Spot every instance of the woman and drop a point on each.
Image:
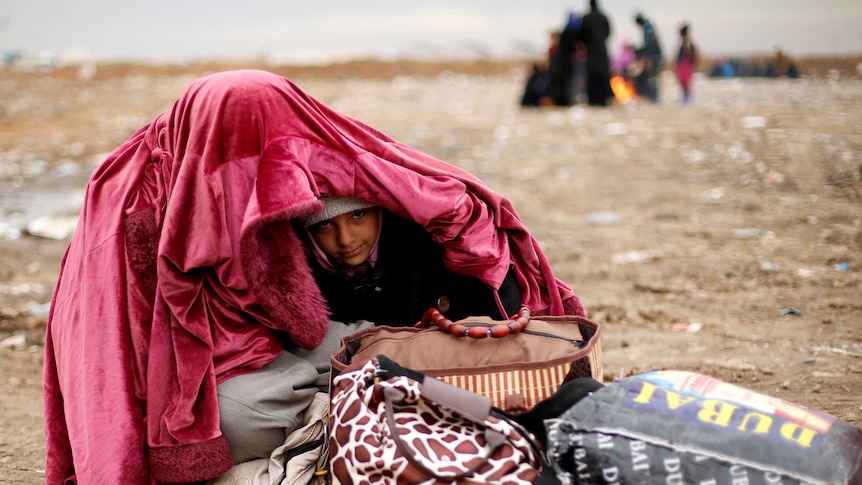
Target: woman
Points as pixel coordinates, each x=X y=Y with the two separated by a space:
x=185 y=280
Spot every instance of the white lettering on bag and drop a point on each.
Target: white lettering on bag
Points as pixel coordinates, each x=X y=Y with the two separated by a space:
x=673 y=466
x=611 y=475
x=640 y=461
x=738 y=475
x=606 y=442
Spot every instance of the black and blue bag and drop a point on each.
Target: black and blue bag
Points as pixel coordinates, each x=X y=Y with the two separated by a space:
x=676 y=427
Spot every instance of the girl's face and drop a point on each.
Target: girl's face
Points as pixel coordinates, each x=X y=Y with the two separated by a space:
x=348 y=238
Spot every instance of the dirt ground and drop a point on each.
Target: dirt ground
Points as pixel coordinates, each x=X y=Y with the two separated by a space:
x=723 y=238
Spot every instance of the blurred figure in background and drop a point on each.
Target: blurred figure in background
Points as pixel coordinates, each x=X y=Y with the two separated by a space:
x=781 y=66
x=595 y=30
x=553 y=43
x=651 y=57
x=686 y=62
x=537 y=89
x=579 y=76
x=623 y=73
x=621 y=62
x=562 y=65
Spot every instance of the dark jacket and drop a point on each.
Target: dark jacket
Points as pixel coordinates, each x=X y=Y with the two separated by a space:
x=595 y=30
x=561 y=68
x=651 y=48
x=408 y=279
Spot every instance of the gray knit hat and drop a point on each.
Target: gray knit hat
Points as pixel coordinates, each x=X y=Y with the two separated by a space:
x=335 y=205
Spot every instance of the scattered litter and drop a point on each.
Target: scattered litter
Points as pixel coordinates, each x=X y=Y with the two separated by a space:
x=754 y=122
x=15 y=342
x=77 y=149
x=9 y=232
x=604 y=218
x=735 y=151
x=694 y=156
x=842 y=266
x=66 y=169
x=17 y=289
x=693 y=327
x=632 y=257
x=35 y=167
x=809 y=360
x=58 y=228
x=527 y=173
x=805 y=272
x=38 y=309
x=502 y=133
x=563 y=173
x=790 y=311
x=712 y=195
x=577 y=115
x=748 y=233
x=616 y=129
x=774 y=177
x=855 y=351
x=769 y=267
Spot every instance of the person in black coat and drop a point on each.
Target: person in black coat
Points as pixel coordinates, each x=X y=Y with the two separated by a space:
x=561 y=71
x=595 y=30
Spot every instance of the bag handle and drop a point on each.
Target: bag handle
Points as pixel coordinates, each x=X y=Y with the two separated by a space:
x=468 y=404
x=493 y=438
x=433 y=317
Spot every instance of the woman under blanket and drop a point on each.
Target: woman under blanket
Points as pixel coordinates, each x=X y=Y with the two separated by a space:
x=185 y=273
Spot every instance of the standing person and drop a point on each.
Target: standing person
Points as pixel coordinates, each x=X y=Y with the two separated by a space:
x=595 y=30
x=553 y=43
x=651 y=56
x=561 y=70
x=686 y=63
x=185 y=308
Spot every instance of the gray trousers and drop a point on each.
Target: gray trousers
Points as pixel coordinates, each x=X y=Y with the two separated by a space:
x=258 y=410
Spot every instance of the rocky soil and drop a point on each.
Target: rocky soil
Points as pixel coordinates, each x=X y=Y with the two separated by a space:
x=723 y=238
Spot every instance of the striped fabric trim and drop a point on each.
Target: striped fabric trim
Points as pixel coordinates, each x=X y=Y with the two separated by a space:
x=534 y=385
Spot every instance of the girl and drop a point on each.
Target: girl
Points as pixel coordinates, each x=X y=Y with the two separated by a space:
x=372 y=265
